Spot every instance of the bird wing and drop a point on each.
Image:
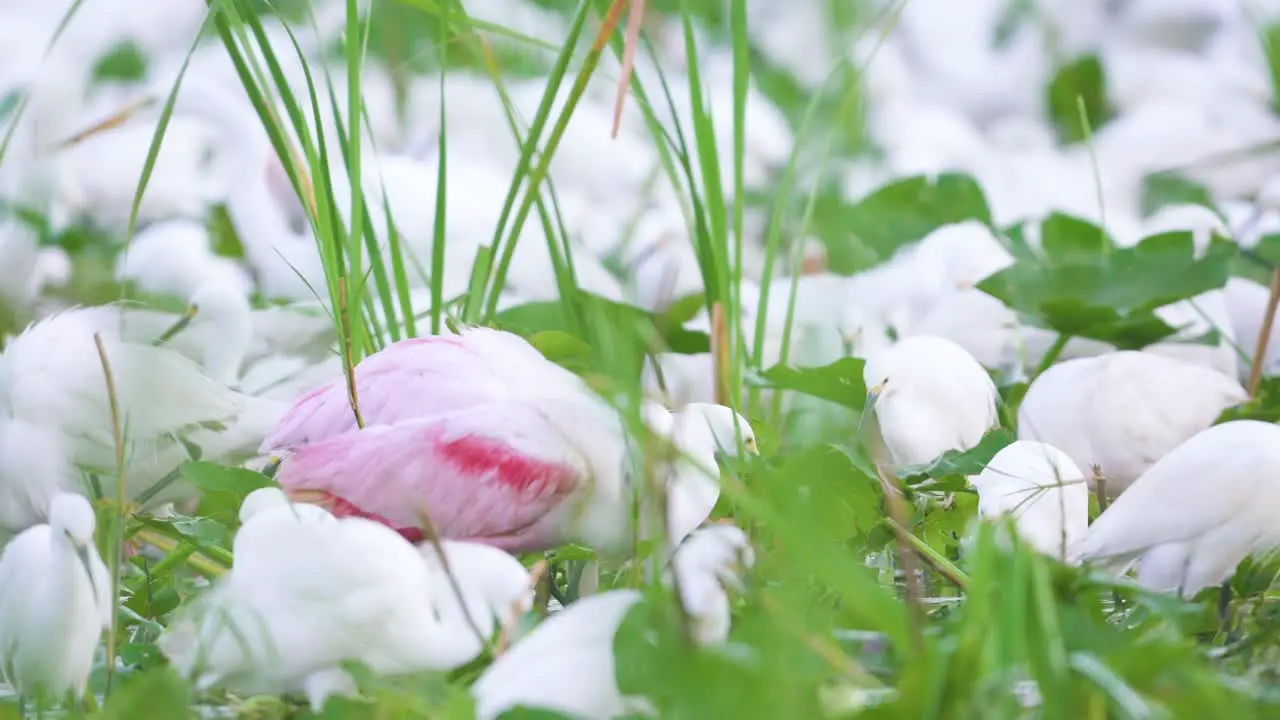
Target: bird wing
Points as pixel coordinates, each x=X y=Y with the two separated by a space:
x=487 y=473
x=1200 y=485
x=409 y=379
x=1053 y=410
x=27 y=557
x=53 y=374
x=1137 y=417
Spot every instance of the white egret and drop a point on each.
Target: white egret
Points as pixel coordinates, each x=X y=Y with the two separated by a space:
x=1041 y=489
x=567 y=665
x=929 y=396
x=1196 y=513
x=376 y=597
x=1123 y=411
x=697 y=433
x=52 y=382
x=55 y=601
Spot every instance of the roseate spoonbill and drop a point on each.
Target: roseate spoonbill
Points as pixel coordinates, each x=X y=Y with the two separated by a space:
x=1041 y=489
x=1123 y=411
x=567 y=664
x=929 y=396
x=1181 y=533
x=55 y=601
x=308 y=592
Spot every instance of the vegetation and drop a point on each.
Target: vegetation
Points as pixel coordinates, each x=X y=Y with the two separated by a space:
x=825 y=627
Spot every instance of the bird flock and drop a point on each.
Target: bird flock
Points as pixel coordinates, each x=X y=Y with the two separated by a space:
x=397 y=497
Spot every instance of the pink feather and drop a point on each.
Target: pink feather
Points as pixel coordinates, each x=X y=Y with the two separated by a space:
x=477 y=434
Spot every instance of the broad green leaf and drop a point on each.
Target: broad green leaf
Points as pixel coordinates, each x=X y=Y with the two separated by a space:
x=561 y=348
x=957 y=463
x=898 y=214
x=1083 y=285
x=840 y=382
x=212 y=477
x=1081 y=80
x=124 y=61
x=1161 y=189
x=158 y=694
x=531 y=318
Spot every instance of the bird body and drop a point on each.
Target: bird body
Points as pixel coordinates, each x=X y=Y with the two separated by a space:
x=55 y=601
x=1041 y=489
x=697 y=433
x=477 y=433
x=566 y=664
x=929 y=396
x=53 y=383
x=1123 y=411
x=378 y=600
x=1196 y=512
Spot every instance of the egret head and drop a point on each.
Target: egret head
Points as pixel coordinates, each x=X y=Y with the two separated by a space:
x=222 y=305
x=722 y=425
x=261 y=499
x=71 y=516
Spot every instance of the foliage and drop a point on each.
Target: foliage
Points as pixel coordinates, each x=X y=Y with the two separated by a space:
x=1081 y=284
x=823 y=627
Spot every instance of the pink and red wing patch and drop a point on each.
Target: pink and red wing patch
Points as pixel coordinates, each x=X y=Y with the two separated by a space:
x=480 y=456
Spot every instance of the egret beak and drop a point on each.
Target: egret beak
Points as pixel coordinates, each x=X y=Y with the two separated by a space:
x=179 y=325
x=750 y=445
x=112 y=122
x=82 y=552
x=868 y=407
x=311 y=497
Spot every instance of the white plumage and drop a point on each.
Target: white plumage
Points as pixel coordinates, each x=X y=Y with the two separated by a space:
x=1123 y=411
x=55 y=601
x=1196 y=513
x=930 y=396
x=1041 y=489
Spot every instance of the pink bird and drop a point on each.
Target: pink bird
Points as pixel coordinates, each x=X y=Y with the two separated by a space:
x=476 y=434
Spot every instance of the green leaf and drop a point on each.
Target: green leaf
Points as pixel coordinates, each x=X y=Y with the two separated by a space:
x=532 y=318
x=1161 y=189
x=955 y=463
x=1084 y=79
x=1083 y=285
x=124 y=61
x=561 y=348
x=212 y=477
x=901 y=213
x=157 y=694
x=840 y=382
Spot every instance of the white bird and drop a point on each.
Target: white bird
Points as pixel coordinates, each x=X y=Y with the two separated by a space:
x=567 y=663
x=692 y=477
x=1196 y=513
x=53 y=386
x=709 y=562
x=308 y=592
x=1043 y=491
x=1123 y=411
x=174 y=257
x=55 y=601
x=929 y=396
